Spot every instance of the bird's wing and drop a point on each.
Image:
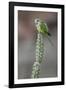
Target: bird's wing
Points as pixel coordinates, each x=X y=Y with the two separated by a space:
x=43 y=27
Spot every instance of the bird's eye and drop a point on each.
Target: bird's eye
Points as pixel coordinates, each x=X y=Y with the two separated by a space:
x=37 y=20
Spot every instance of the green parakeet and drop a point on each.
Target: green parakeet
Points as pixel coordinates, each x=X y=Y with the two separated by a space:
x=41 y=27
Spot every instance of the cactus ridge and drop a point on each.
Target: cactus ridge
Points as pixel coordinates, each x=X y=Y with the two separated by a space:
x=39 y=56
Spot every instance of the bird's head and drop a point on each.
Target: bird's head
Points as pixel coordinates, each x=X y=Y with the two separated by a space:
x=37 y=21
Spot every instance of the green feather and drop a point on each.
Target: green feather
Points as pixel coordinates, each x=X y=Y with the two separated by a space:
x=43 y=28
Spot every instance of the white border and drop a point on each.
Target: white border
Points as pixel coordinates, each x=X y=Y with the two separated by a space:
x=23 y=81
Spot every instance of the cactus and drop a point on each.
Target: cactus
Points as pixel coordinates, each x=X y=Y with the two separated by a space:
x=39 y=55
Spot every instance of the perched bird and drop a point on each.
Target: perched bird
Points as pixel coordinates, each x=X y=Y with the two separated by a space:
x=41 y=26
